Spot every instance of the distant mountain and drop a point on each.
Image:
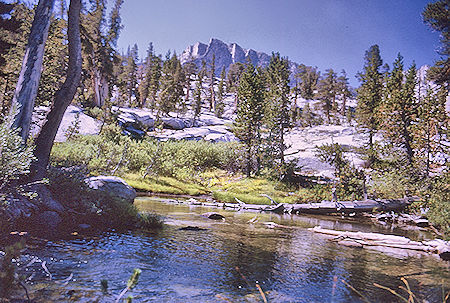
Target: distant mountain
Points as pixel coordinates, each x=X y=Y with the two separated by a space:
x=226 y=54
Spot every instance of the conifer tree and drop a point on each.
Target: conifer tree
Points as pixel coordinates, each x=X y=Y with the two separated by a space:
x=220 y=106
x=307 y=115
x=54 y=61
x=399 y=109
x=308 y=77
x=99 y=38
x=197 y=104
x=13 y=57
x=172 y=92
x=30 y=74
x=144 y=83
x=189 y=70
x=128 y=77
x=343 y=90
x=212 y=82
x=8 y=25
x=277 y=110
x=327 y=92
x=250 y=113
x=234 y=72
x=431 y=127
x=369 y=96
x=436 y=15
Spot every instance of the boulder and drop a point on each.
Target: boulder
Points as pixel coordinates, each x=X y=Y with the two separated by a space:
x=114 y=186
x=213 y=216
x=145 y=120
x=194 y=228
x=173 y=123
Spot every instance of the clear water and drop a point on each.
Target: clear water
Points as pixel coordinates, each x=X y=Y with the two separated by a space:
x=225 y=262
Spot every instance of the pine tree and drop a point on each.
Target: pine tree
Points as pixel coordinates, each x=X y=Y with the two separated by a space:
x=220 y=106
x=307 y=115
x=145 y=76
x=431 y=127
x=30 y=74
x=154 y=82
x=436 y=15
x=277 y=110
x=327 y=92
x=172 y=92
x=234 y=72
x=197 y=104
x=308 y=77
x=8 y=25
x=129 y=76
x=399 y=109
x=9 y=72
x=54 y=62
x=343 y=90
x=369 y=96
x=189 y=70
x=99 y=38
x=250 y=113
x=212 y=82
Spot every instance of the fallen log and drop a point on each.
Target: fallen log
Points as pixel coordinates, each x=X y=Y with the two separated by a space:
x=360 y=239
x=347 y=207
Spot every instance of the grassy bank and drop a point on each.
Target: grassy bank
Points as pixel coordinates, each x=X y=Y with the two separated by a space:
x=203 y=168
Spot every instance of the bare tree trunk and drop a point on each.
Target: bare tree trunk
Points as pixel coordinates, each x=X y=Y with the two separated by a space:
x=63 y=97
x=30 y=74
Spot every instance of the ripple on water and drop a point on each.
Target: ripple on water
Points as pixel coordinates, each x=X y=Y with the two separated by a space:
x=227 y=260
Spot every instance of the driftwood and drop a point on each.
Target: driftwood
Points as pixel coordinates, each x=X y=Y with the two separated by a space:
x=328 y=207
x=360 y=239
x=324 y=207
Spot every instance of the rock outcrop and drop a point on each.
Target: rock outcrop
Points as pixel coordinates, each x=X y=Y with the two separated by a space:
x=86 y=124
x=114 y=186
x=225 y=55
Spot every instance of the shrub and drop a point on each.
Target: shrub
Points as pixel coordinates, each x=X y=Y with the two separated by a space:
x=111 y=152
x=439 y=203
x=91 y=206
x=15 y=157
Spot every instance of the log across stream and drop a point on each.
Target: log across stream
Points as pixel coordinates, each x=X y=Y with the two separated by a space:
x=324 y=207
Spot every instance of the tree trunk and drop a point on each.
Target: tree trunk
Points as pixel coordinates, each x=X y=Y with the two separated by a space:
x=63 y=97
x=101 y=89
x=30 y=74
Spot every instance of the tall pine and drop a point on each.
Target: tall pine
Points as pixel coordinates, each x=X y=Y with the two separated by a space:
x=250 y=113
x=277 y=111
x=369 y=96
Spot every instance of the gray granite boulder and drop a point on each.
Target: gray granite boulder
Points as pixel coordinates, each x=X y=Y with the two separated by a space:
x=173 y=123
x=114 y=186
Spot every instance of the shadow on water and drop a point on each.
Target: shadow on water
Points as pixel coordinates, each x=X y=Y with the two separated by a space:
x=226 y=261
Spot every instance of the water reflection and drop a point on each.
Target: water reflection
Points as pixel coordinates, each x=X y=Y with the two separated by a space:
x=225 y=261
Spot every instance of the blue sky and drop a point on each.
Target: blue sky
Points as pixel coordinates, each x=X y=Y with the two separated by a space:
x=323 y=33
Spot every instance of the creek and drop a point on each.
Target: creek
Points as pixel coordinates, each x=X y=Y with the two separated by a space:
x=228 y=259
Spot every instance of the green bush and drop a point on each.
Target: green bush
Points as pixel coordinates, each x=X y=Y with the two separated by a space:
x=96 y=208
x=111 y=152
x=15 y=157
x=439 y=203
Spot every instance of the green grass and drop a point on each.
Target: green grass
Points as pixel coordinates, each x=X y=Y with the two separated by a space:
x=166 y=185
x=226 y=187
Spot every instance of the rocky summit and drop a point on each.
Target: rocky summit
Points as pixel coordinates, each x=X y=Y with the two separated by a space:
x=226 y=54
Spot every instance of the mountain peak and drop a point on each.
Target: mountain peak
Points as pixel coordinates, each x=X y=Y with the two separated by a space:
x=225 y=54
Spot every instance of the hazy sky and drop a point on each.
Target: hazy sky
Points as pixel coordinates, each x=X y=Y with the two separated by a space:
x=323 y=33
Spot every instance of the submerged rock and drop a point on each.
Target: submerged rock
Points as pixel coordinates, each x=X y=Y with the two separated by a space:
x=213 y=216
x=194 y=228
x=114 y=186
